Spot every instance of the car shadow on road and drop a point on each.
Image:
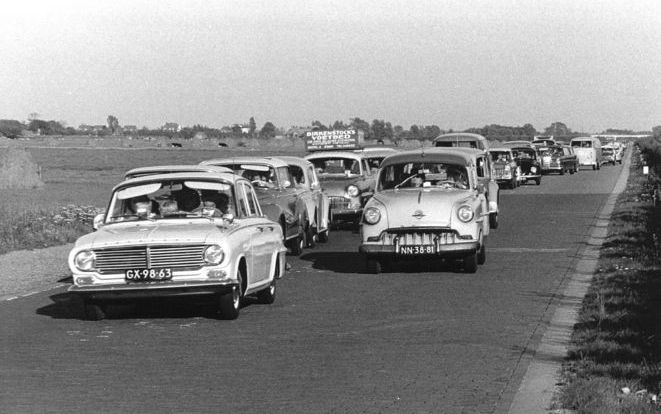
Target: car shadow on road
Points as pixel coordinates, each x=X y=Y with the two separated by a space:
x=354 y=262
x=70 y=306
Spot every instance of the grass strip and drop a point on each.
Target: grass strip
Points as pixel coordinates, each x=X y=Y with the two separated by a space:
x=614 y=360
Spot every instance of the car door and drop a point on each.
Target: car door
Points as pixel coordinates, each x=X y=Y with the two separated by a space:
x=261 y=236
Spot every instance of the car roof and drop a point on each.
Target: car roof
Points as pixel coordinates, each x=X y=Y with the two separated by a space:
x=517 y=143
x=373 y=151
x=204 y=176
x=289 y=159
x=460 y=136
x=435 y=154
x=586 y=139
x=183 y=168
x=271 y=161
x=334 y=154
x=508 y=149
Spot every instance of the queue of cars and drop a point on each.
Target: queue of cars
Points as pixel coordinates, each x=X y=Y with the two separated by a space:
x=221 y=229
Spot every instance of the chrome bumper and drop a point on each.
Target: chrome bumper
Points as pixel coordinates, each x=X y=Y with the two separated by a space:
x=136 y=290
x=456 y=249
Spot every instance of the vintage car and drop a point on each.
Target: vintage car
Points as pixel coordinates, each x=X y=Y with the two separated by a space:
x=316 y=201
x=177 y=235
x=347 y=180
x=608 y=155
x=374 y=155
x=427 y=203
x=180 y=168
x=543 y=141
x=461 y=139
x=527 y=159
x=588 y=151
x=556 y=158
x=505 y=170
x=278 y=196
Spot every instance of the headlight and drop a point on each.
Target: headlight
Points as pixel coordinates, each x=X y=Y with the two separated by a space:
x=372 y=215
x=214 y=254
x=85 y=260
x=465 y=213
x=508 y=168
x=533 y=169
x=353 y=191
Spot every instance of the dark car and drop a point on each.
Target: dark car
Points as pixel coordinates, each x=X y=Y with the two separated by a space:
x=527 y=159
x=556 y=158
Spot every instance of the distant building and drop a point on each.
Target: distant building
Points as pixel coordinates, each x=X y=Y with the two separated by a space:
x=171 y=127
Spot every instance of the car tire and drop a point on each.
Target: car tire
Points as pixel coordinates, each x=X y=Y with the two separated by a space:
x=493 y=220
x=267 y=296
x=482 y=254
x=594 y=167
x=310 y=236
x=562 y=171
x=374 y=266
x=470 y=263
x=538 y=181
x=93 y=311
x=229 y=303
x=599 y=166
x=323 y=236
x=297 y=244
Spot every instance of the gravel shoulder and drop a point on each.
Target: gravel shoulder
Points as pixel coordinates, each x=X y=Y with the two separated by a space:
x=22 y=272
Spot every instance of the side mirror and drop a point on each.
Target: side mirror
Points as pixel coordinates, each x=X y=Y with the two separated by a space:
x=228 y=217
x=98 y=221
x=286 y=184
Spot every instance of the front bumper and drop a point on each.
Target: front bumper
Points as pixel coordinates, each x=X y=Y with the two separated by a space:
x=445 y=250
x=136 y=290
x=531 y=176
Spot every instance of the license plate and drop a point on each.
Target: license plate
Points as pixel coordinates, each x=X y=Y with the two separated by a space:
x=417 y=249
x=142 y=275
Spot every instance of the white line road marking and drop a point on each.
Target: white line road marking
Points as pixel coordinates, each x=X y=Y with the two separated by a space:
x=25 y=295
x=524 y=250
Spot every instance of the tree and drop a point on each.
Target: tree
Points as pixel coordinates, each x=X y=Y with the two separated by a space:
x=557 y=129
x=339 y=125
x=113 y=124
x=415 y=132
x=268 y=130
x=253 y=126
x=318 y=126
x=11 y=128
x=359 y=124
x=529 y=131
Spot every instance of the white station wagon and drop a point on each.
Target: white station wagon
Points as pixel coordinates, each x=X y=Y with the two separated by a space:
x=427 y=203
x=179 y=234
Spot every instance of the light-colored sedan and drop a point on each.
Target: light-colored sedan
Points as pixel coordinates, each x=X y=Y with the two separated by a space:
x=316 y=201
x=427 y=203
x=179 y=234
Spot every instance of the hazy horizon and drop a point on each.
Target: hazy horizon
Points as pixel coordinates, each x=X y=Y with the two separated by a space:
x=455 y=64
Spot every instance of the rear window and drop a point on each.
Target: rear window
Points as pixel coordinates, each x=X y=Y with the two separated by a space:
x=581 y=144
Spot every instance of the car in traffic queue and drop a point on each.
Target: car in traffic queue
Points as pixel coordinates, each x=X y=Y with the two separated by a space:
x=608 y=154
x=348 y=181
x=315 y=199
x=278 y=197
x=375 y=155
x=588 y=151
x=198 y=234
x=543 y=141
x=505 y=170
x=461 y=139
x=177 y=168
x=556 y=158
x=527 y=159
x=427 y=204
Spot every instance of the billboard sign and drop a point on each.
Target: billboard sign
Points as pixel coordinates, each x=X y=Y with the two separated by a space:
x=337 y=139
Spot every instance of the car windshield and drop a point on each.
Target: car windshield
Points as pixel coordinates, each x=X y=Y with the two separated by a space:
x=411 y=175
x=261 y=176
x=582 y=144
x=524 y=153
x=607 y=151
x=501 y=156
x=171 y=199
x=336 y=166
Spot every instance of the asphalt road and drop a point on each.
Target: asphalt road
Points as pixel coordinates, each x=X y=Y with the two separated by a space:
x=419 y=339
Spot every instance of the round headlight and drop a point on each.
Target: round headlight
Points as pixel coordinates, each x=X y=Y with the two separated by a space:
x=353 y=191
x=85 y=260
x=465 y=213
x=372 y=215
x=214 y=254
x=533 y=169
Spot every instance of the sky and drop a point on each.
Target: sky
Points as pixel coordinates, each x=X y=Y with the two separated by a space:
x=591 y=64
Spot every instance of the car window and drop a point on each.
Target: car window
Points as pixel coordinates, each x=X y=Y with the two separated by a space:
x=241 y=201
x=297 y=174
x=253 y=205
x=314 y=181
x=284 y=176
x=480 y=167
x=423 y=175
x=336 y=166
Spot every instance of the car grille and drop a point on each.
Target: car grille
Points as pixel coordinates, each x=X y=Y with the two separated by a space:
x=113 y=260
x=339 y=203
x=420 y=238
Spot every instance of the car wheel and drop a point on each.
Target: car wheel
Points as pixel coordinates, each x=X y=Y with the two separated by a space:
x=93 y=311
x=267 y=296
x=562 y=171
x=470 y=263
x=599 y=166
x=538 y=181
x=310 y=236
x=374 y=266
x=323 y=236
x=482 y=254
x=594 y=167
x=229 y=303
x=493 y=220
x=297 y=244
